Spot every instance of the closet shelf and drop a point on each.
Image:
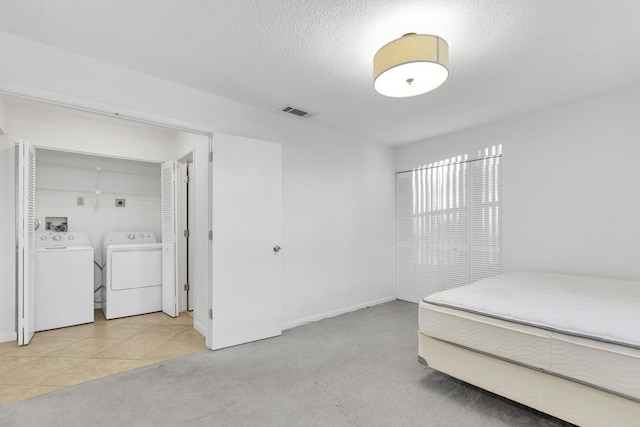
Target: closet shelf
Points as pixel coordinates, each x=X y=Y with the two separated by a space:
x=152 y=171
x=88 y=193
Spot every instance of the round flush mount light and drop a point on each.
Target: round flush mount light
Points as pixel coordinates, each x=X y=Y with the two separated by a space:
x=411 y=65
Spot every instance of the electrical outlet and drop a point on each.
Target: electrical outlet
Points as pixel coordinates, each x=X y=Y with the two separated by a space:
x=120 y=203
x=80 y=201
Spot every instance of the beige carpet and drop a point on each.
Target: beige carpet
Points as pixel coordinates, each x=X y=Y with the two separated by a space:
x=358 y=369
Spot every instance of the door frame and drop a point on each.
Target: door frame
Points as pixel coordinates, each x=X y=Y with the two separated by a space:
x=185 y=197
x=90 y=106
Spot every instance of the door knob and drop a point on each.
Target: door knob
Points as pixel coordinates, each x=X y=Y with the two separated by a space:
x=276 y=249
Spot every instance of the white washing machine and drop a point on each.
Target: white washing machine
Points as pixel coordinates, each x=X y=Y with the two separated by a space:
x=63 y=280
x=132 y=273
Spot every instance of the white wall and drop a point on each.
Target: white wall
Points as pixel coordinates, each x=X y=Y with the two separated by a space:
x=54 y=128
x=338 y=227
x=62 y=177
x=7 y=236
x=338 y=190
x=570 y=184
x=2 y=117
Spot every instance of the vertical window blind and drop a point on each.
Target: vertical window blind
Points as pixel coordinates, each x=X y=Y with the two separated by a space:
x=448 y=225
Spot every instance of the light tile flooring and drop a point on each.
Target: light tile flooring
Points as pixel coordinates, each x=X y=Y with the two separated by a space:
x=64 y=357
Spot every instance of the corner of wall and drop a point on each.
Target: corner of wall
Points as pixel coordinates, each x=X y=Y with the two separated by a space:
x=328 y=315
x=8 y=336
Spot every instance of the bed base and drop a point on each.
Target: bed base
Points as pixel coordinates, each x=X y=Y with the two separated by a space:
x=560 y=397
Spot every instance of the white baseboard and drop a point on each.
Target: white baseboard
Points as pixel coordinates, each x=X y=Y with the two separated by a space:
x=200 y=328
x=8 y=336
x=329 y=314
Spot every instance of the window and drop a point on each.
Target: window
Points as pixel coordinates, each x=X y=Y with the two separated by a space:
x=448 y=224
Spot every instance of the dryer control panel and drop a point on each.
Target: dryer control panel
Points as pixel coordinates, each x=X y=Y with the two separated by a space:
x=124 y=237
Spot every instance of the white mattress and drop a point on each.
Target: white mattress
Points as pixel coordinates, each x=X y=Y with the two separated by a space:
x=584 y=329
x=592 y=307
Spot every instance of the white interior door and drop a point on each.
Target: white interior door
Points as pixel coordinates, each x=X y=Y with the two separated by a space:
x=169 y=227
x=26 y=245
x=246 y=299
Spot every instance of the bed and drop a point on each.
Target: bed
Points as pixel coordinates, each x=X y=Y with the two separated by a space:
x=565 y=345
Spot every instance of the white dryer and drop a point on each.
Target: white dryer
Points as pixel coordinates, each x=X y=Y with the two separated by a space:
x=132 y=273
x=63 y=280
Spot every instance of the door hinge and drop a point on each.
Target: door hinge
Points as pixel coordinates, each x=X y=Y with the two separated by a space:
x=211 y=314
x=186 y=233
x=210 y=234
x=211 y=156
x=187 y=286
x=186 y=179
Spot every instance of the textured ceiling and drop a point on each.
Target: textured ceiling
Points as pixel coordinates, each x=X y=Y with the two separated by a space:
x=507 y=57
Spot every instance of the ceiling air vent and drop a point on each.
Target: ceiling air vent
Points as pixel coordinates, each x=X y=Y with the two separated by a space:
x=296 y=111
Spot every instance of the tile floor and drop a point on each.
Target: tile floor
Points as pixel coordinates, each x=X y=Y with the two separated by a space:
x=64 y=357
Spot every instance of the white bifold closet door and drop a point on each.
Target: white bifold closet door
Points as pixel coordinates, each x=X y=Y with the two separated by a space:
x=26 y=177
x=429 y=236
x=169 y=229
x=455 y=225
x=448 y=226
x=406 y=232
x=486 y=216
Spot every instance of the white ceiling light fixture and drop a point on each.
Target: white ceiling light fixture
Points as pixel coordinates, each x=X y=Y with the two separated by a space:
x=411 y=65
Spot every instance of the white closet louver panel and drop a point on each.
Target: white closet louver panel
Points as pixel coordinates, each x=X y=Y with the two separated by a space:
x=486 y=233
x=169 y=297
x=429 y=259
x=30 y=273
x=455 y=227
x=406 y=231
x=168 y=220
x=429 y=236
x=26 y=179
x=31 y=210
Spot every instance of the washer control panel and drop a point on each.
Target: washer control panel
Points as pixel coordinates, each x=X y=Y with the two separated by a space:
x=60 y=239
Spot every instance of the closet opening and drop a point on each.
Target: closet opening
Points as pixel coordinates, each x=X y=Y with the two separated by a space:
x=98 y=185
